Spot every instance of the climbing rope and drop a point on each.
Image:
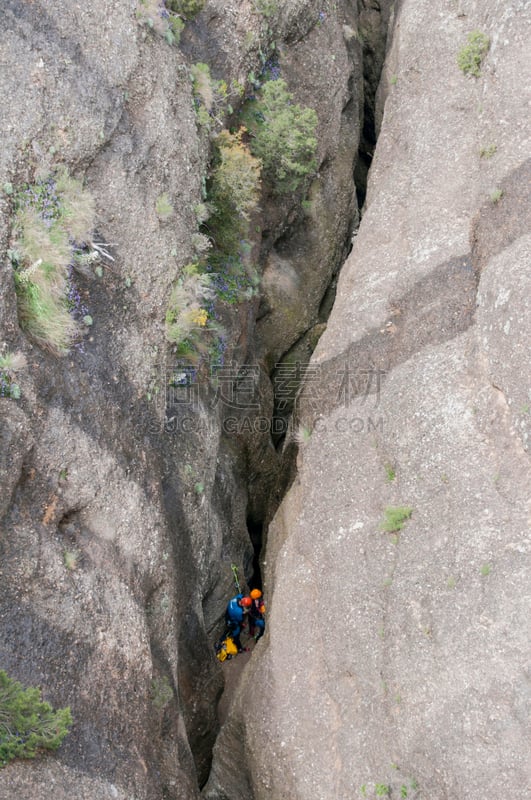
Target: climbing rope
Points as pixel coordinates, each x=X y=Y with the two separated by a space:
x=234 y=569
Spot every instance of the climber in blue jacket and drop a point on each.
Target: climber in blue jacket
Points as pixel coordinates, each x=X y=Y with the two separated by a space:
x=234 y=616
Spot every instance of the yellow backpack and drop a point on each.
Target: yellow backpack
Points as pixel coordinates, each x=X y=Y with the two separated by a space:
x=226 y=649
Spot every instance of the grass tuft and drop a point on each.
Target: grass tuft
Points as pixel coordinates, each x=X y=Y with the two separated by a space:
x=54 y=219
x=471 y=55
x=395 y=517
x=163 y=206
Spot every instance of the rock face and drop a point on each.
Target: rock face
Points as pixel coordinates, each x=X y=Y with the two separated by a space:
x=119 y=525
x=395 y=662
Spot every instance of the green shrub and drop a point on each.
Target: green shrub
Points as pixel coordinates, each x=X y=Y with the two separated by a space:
x=28 y=724
x=163 y=206
x=233 y=191
x=187 y=319
x=71 y=559
x=232 y=195
x=186 y=8
x=471 y=55
x=283 y=136
x=210 y=95
x=202 y=84
x=53 y=222
x=390 y=472
x=10 y=364
x=395 y=517
x=158 y=17
x=268 y=8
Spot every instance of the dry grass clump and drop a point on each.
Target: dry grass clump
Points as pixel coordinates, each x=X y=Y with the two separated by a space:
x=54 y=217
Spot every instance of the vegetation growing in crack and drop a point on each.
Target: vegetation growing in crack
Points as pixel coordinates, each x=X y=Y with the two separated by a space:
x=488 y=151
x=54 y=219
x=163 y=206
x=280 y=145
x=10 y=364
x=204 y=92
x=471 y=55
x=395 y=517
x=187 y=319
x=223 y=274
x=397 y=787
x=390 y=472
x=283 y=136
x=268 y=8
x=211 y=96
x=71 y=559
x=161 y=17
x=27 y=724
x=234 y=191
x=186 y=8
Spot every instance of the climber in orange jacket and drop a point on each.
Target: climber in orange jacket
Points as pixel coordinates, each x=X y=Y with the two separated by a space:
x=257 y=614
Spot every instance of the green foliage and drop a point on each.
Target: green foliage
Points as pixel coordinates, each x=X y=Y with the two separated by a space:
x=77 y=209
x=382 y=789
x=395 y=517
x=186 y=8
x=27 y=724
x=187 y=319
x=233 y=191
x=163 y=206
x=268 y=8
x=202 y=83
x=390 y=472
x=236 y=179
x=488 y=151
x=231 y=280
x=283 y=136
x=210 y=95
x=471 y=55
x=161 y=692
x=161 y=19
x=303 y=435
x=71 y=559
x=486 y=570
x=496 y=196
x=54 y=219
x=202 y=212
x=10 y=364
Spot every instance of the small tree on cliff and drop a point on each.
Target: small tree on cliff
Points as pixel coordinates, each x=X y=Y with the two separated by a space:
x=27 y=723
x=282 y=136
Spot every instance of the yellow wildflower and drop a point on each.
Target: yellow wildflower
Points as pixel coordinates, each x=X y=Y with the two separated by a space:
x=199 y=317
